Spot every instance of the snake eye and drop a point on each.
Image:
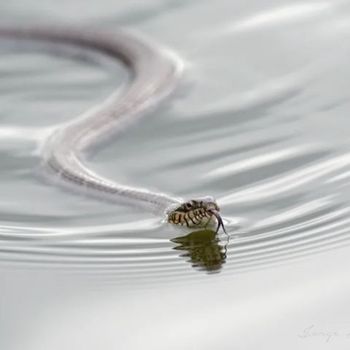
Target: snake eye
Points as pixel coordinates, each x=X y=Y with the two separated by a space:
x=188 y=206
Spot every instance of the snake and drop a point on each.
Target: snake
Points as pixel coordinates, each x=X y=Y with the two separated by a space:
x=155 y=73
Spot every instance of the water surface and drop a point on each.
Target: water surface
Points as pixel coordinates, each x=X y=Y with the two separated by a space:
x=259 y=121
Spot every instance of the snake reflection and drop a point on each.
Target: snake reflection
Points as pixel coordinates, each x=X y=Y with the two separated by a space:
x=202 y=249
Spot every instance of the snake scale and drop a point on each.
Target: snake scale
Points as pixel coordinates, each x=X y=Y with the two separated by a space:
x=155 y=74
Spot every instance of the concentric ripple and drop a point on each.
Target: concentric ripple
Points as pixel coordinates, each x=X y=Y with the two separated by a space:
x=108 y=251
x=273 y=149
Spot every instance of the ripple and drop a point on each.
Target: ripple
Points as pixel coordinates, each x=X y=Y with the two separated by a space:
x=260 y=145
x=281 y=15
x=289 y=182
x=307 y=229
x=149 y=249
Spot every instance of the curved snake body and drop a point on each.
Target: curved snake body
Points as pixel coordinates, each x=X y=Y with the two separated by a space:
x=154 y=76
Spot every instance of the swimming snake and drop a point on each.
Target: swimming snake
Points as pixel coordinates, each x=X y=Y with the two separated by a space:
x=155 y=73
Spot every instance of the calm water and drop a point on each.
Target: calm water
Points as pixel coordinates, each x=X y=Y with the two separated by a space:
x=260 y=121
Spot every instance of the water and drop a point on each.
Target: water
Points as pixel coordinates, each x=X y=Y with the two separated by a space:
x=260 y=121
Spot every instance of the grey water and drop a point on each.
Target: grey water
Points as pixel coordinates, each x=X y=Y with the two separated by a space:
x=260 y=121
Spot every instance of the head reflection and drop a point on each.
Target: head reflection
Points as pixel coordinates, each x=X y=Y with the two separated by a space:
x=203 y=250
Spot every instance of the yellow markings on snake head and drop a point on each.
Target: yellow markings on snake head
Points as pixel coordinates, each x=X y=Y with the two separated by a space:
x=196 y=213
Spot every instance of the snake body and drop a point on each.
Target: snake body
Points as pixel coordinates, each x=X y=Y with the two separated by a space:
x=155 y=74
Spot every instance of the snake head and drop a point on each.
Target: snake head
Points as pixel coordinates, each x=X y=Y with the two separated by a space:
x=196 y=212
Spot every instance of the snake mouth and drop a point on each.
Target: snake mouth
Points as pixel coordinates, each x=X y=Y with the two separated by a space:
x=219 y=219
